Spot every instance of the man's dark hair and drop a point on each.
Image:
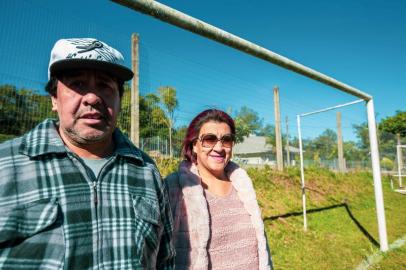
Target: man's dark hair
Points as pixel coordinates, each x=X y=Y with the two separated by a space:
x=52 y=85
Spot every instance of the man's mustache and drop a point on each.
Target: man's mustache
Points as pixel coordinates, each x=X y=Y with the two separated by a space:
x=100 y=110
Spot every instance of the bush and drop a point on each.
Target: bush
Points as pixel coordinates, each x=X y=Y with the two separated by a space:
x=167 y=166
x=387 y=164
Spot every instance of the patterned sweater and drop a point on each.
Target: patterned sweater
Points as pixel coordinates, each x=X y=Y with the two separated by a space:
x=231 y=234
x=191 y=215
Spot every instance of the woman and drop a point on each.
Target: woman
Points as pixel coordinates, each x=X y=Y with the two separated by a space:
x=217 y=221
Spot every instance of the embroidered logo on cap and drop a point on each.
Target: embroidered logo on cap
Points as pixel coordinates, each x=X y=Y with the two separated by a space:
x=85 y=47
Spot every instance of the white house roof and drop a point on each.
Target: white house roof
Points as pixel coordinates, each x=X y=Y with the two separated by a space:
x=293 y=149
x=257 y=144
x=252 y=145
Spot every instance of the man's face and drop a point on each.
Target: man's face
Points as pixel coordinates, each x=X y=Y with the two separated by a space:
x=87 y=103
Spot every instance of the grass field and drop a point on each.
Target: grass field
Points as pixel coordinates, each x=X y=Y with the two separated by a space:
x=342 y=226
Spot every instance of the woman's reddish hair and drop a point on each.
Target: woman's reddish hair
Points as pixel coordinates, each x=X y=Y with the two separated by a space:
x=193 y=130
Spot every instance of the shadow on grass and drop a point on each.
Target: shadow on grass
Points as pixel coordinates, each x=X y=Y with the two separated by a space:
x=345 y=205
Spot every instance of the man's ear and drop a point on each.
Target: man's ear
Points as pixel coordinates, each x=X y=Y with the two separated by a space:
x=54 y=104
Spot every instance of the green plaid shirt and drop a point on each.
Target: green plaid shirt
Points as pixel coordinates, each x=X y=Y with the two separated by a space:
x=54 y=214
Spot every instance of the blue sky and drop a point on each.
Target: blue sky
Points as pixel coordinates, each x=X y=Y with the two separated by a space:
x=361 y=43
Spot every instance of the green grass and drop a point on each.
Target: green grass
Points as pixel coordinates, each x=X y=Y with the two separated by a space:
x=342 y=226
x=395 y=259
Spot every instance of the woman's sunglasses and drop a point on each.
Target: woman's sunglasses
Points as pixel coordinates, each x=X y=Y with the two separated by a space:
x=209 y=140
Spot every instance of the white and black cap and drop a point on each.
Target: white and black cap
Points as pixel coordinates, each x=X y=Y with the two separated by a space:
x=87 y=53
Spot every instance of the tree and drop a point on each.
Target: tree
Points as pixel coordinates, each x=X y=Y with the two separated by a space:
x=268 y=131
x=387 y=130
x=362 y=134
x=22 y=109
x=178 y=135
x=352 y=152
x=323 y=147
x=152 y=117
x=247 y=122
x=124 y=120
x=167 y=96
x=395 y=124
x=389 y=127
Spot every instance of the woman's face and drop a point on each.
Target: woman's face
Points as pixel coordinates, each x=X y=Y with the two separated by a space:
x=213 y=147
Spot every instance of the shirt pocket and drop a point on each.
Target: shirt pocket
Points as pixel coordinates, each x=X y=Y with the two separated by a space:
x=31 y=234
x=148 y=229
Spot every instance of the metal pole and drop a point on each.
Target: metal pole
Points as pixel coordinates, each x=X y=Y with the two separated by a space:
x=287 y=143
x=340 y=149
x=398 y=149
x=159 y=148
x=376 y=171
x=182 y=20
x=278 y=136
x=333 y=107
x=400 y=157
x=135 y=109
x=166 y=147
x=391 y=182
x=302 y=173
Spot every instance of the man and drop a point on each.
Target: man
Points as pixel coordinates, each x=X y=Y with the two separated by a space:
x=75 y=193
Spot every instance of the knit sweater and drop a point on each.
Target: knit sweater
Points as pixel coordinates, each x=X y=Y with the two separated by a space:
x=228 y=222
x=191 y=215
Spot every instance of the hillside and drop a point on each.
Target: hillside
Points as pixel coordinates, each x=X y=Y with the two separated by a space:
x=342 y=227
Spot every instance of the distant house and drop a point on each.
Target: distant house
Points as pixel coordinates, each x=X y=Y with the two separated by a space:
x=254 y=150
x=293 y=154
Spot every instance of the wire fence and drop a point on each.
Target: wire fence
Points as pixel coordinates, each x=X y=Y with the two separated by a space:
x=192 y=87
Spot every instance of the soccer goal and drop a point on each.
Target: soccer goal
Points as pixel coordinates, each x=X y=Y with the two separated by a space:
x=182 y=20
x=401 y=163
x=299 y=131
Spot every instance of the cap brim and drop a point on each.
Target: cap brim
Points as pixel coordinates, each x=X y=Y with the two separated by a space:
x=121 y=72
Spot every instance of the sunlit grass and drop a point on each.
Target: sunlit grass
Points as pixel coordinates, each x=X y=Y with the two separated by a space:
x=342 y=225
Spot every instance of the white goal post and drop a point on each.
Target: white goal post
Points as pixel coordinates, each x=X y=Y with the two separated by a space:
x=400 y=163
x=299 y=131
x=182 y=20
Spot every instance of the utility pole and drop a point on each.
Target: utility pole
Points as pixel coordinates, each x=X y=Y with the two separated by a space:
x=278 y=136
x=400 y=159
x=341 y=164
x=135 y=110
x=287 y=143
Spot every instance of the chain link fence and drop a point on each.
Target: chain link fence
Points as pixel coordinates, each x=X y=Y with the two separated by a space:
x=172 y=91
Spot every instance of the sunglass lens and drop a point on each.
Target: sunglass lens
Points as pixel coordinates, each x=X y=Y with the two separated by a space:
x=209 y=140
x=227 y=140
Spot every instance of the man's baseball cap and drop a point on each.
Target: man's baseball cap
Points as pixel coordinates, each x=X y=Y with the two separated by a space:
x=87 y=53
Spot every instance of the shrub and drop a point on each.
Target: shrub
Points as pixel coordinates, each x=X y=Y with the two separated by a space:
x=167 y=166
x=387 y=164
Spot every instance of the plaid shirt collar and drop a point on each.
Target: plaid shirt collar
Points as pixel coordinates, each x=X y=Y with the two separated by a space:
x=44 y=139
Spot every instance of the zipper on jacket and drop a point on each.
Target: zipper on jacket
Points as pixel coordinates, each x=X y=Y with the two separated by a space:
x=95 y=192
x=92 y=182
